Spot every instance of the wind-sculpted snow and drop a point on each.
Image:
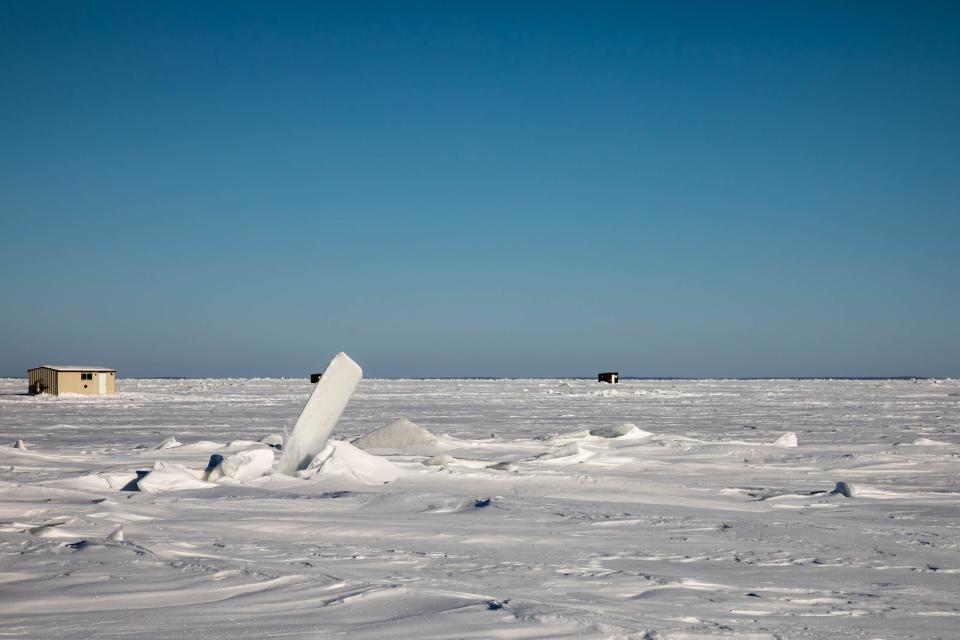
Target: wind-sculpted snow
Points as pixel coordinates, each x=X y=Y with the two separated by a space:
x=521 y=509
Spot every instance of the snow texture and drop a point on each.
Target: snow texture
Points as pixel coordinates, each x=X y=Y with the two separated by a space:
x=562 y=527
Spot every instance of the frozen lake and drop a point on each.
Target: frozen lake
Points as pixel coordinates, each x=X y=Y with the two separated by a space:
x=701 y=529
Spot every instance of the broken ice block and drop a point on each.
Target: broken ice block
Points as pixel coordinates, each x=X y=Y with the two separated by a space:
x=320 y=415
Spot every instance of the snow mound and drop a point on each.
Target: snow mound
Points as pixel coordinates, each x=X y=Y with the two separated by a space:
x=627 y=431
x=244 y=465
x=438 y=461
x=55 y=529
x=242 y=445
x=166 y=476
x=115 y=481
x=341 y=459
x=20 y=444
x=786 y=441
x=567 y=454
x=200 y=447
x=578 y=434
x=398 y=434
x=927 y=442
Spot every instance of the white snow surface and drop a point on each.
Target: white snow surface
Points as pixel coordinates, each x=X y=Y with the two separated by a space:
x=691 y=527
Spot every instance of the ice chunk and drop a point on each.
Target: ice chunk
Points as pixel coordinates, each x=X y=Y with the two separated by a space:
x=167 y=476
x=627 y=430
x=243 y=466
x=343 y=460
x=320 y=414
x=845 y=489
x=116 y=535
x=438 y=461
x=273 y=440
x=20 y=444
x=168 y=443
x=398 y=434
x=786 y=441
x=927 y=442
x=213 y=465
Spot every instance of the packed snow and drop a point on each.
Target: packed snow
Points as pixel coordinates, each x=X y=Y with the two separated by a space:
x=484 y=509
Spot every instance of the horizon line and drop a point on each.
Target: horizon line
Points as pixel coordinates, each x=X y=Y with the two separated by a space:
x=622 y=378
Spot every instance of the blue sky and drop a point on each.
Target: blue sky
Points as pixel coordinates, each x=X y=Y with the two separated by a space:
x=502 y=189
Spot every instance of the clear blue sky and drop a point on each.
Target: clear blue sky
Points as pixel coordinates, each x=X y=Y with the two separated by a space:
x=505 y=189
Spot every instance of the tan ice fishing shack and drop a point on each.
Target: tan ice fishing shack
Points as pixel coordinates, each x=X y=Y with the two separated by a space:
x=92 y=381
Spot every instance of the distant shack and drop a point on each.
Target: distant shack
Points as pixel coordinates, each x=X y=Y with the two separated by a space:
x=608 y=376
x=57 y=379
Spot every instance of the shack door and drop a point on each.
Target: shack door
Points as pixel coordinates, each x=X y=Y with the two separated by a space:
x=103 y=383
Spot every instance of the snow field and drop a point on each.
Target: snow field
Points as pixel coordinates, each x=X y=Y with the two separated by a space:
x=487 y=509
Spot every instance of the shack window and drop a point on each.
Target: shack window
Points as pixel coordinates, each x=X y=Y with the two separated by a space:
x=86 y=376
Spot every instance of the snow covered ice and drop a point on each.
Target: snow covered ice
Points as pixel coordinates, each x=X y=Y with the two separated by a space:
x=670 y=510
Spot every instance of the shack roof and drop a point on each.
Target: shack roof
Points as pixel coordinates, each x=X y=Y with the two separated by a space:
x=72 y=367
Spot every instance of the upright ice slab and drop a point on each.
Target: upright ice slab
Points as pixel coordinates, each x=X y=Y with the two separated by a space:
x=320 y=415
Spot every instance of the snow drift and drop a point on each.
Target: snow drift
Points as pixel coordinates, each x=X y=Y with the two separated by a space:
x=341 y=459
